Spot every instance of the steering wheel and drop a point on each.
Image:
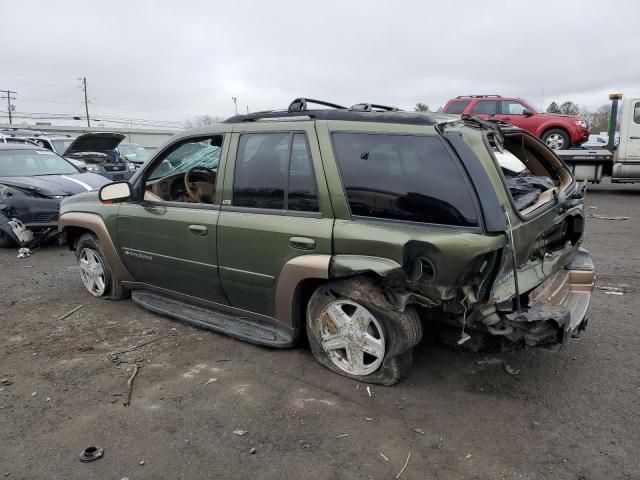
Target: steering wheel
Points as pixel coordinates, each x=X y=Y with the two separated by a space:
x=200 y=191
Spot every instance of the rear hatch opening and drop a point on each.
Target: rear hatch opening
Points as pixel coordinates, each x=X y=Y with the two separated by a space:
x=533 y=175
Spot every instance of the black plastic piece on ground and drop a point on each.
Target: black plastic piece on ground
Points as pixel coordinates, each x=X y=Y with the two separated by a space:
x=90 y=454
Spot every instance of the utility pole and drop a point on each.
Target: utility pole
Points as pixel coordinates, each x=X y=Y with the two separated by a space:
x=9 y=106
x=235 y=102
x=86 y=103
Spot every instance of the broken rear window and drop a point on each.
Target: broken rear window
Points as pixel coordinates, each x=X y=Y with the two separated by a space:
x=403 y=177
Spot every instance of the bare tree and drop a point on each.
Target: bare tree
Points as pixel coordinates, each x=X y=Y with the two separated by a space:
x=202 y=120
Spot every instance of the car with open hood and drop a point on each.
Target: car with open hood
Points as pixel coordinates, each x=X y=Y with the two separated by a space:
x=33 y=181
x=99 y=152
x=351 y=227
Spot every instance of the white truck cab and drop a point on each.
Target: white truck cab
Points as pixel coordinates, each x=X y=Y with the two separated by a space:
x=621 y=163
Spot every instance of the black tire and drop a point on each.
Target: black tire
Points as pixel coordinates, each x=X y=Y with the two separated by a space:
x=556 y=133
x=402 y=330
x=113 y=287
x=6 y=241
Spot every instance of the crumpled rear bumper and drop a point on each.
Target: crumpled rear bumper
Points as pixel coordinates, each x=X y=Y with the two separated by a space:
x=557 y=309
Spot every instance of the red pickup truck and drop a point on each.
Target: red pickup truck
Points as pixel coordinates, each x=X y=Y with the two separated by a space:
x=557 y=131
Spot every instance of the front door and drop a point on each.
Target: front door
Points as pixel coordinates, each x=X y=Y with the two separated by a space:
x=167 y=238
x=632 y=152
x=271 y=211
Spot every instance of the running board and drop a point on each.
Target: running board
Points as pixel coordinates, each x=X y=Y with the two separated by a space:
x=243 y=328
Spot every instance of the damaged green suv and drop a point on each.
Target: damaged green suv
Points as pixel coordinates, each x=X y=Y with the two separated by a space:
x=356 y=226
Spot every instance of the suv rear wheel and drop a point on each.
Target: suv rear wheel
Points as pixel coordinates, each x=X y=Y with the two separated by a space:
x=95 y=273
x=556 y=139
x=353 y=331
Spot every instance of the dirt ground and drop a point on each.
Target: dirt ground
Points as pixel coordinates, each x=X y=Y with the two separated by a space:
x=572 y=414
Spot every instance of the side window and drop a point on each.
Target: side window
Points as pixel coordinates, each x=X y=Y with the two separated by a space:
x=403 y=177
x=457 y=106
x=187 y=173
x=511 y=108
x=274 y=171
x=485 y=107
x=636 y=113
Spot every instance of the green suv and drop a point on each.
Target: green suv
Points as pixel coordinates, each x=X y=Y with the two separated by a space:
x=355 y=226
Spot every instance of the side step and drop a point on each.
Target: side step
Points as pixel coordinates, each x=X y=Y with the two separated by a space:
x=243 y=328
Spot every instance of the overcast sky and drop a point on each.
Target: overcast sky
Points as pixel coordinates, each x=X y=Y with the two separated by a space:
x=172 y=60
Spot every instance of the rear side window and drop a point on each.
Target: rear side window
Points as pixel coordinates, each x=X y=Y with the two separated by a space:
x=403 y=177
x=457 y=106
x=636 y=113
x=485 y=107
x=274 y=171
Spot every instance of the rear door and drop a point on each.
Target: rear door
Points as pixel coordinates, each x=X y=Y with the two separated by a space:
x=485 y=108
x=275 y=208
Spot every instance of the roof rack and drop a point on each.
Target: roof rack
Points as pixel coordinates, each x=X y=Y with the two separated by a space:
x=298 y=110
x=479 y=96
x=300 y=104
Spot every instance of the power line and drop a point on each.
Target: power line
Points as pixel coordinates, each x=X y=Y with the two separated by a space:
x=10 y=107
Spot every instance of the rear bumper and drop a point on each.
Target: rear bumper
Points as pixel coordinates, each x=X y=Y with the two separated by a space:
x=557 y=309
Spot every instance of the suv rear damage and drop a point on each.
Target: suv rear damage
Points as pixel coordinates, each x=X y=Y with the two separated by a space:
x=355 y=224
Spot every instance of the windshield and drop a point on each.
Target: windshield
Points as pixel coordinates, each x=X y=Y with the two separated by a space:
x=187 y=156
x=27 y=163
x=134 y=153
x=61 y=145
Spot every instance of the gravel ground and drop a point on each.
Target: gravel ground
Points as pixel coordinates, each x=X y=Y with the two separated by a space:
x=571 y=414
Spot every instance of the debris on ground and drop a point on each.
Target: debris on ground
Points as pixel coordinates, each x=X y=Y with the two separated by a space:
x=211 y=380
x=115 y=356
x=240 y=432
x=488 y=361
x=70 y=312
x=127 y=402
x=6 y=382
x=418 y=430
x=368 y=419
x=622 y=288
x=90 y=454
x=384 y=457
x=369 y=391
x=404 y=466
x=613 y=293
x=593 y=207
x=510 y=370
x=606 y=217
x=141 y=462
x=24 y=252
x=253 y=450
x=468 y=456
x=343 y=435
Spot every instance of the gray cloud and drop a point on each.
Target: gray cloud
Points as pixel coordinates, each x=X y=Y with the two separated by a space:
x=170 y=60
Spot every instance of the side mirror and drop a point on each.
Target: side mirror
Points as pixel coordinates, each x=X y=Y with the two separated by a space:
x=115 y=192
x=527 y=113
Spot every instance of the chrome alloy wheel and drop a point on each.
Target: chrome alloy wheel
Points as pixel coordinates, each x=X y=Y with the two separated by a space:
x=352 y=337
x=92 y=272
x=555 y=141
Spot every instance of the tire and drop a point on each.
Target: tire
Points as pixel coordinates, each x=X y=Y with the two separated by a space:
x=369 y=323
x=6 y=241
x=93 y=264
x=556 y=139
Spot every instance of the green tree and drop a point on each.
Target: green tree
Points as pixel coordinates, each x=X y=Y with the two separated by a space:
x=421 y=107
x=553 y=108
x=569 y=108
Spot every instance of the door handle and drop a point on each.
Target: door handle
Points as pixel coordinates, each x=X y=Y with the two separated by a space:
x=634 y=138
x=198 y=229
x=302 y=243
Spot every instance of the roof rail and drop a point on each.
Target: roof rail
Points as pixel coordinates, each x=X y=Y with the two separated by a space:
x=300 y=104
x=372 y=107
x=479 y=96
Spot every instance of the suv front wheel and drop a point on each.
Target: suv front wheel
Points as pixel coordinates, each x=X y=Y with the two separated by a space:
x=95 y=273
x=557 y=139
x=354 y=331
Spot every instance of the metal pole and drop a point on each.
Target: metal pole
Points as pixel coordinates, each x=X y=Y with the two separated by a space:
x=235 y=102
x=86 y=103
x=614 y=97
x=9 y=106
